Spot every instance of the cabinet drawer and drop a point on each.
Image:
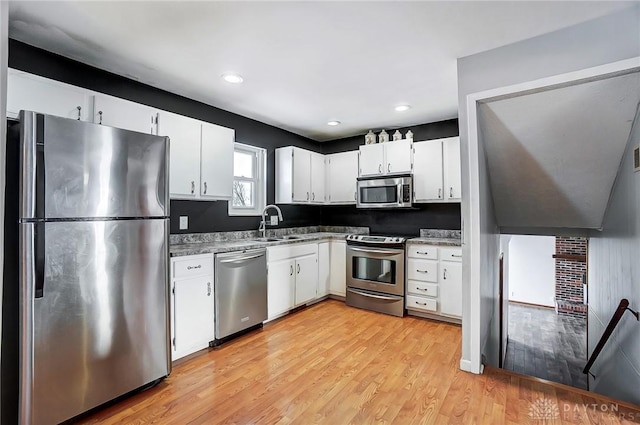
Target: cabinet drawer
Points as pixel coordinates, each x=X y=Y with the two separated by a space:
x=192 y=265
x=421 y=288
x=422 y=251
x=451 y=254
x=424 y=270
x=422 y=303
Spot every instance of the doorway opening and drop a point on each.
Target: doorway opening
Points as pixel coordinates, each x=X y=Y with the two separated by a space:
x=544 y=313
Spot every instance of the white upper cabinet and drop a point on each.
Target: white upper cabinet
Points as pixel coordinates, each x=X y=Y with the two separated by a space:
x=201 y=160
x=427 y=171
x=452 y=173
x=32 y=93
x=114 y=112
x=317 y=178
x=300 y=176
x=216 y=169
x=372 y=159
x=185 y=135
x=397 y=157
x=436 y=170
x=342 y=173
x=385 y=158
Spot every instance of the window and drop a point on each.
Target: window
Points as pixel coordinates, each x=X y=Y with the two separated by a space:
x=249 y=182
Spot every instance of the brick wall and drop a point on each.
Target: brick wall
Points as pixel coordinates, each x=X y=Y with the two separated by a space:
x=569 y=275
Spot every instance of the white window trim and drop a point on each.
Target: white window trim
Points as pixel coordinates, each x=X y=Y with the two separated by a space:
x=261 y=182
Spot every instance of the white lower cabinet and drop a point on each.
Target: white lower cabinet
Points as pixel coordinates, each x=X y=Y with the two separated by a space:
x=450 y=288
x=281 y=287
x=292 y=277
x=338 y=272
x=192 y=304
x=434 y=280
x=324 y=269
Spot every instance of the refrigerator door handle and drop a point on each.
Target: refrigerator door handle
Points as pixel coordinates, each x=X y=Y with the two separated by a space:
x=39 y=257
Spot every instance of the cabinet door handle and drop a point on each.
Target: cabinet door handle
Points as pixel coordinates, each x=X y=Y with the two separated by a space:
x=422 y=289
x=100 y=115
x=456 y=256
x=298 y=268
x=313 y=197
x=444 y=275
x=355 y=196
x=422 y=252
x=205 y=188
x=388 y=167
x=194 y=267
x=419 y=303
x=422 y=271
x=307 y=196
x=439 y=193
x=450 y=192
x=208 y=289
x=193 y=187
x=79 y=108
x=379 y=168
x=291 y=270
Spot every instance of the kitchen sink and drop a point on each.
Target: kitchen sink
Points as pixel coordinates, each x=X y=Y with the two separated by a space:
x=266 y=239
x=290 y=237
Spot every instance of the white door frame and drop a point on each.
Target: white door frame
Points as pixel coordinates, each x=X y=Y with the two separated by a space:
x=472 y=234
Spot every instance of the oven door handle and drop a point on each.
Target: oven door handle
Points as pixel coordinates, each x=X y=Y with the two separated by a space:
x=370 y=295
x=376 y=251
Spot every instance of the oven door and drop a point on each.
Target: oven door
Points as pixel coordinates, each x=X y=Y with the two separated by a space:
x=376 y=269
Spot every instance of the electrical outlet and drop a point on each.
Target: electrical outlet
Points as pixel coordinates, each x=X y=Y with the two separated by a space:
x=274 y=220
x=184 y=222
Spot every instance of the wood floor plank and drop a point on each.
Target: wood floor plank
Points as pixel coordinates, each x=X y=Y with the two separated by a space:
x=332 y=364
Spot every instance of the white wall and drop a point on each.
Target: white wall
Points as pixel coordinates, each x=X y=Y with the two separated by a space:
x=532 y=269
x=601 y=41
x=614 y=273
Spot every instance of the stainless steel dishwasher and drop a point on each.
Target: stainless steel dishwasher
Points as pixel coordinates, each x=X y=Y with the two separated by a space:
x=240 y=293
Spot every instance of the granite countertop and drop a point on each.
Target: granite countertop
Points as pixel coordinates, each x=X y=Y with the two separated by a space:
x=438 y=237
x=194 y=248
x=435 y=241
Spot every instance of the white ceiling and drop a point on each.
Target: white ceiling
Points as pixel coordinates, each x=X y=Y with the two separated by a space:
x=553 y=156
x=304 y=63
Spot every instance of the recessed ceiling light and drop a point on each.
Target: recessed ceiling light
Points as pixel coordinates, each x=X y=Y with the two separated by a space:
x=232 y=78
x=333 y=123
x=402 y=108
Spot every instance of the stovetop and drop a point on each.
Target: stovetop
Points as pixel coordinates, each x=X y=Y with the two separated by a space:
x=376 y=240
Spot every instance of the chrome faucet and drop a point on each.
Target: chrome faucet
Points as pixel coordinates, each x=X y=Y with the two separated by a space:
x=263 y=223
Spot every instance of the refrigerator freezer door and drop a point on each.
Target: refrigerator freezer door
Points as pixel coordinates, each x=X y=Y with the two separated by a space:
x=100 y=328
x=75 y=169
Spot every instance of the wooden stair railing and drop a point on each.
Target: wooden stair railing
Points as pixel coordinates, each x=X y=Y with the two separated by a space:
x=622 y=307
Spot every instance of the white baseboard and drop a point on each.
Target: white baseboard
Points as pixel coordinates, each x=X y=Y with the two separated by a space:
x=467 y=366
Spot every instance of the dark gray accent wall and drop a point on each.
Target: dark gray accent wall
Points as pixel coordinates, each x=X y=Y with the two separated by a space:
x=402 y=222
x=207 y=216
x=203 y=216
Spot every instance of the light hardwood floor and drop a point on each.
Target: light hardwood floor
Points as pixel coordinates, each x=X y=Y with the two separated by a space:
x=332 y=364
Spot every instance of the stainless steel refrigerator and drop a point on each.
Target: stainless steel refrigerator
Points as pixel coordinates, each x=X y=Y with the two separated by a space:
x=93 y=207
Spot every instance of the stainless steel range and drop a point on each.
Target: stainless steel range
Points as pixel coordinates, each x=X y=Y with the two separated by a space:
x=375 y=273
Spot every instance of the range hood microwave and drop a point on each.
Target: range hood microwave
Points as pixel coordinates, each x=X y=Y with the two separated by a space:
x=385 y=192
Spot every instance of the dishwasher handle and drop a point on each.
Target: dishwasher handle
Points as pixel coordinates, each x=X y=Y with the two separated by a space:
x=238 y=260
